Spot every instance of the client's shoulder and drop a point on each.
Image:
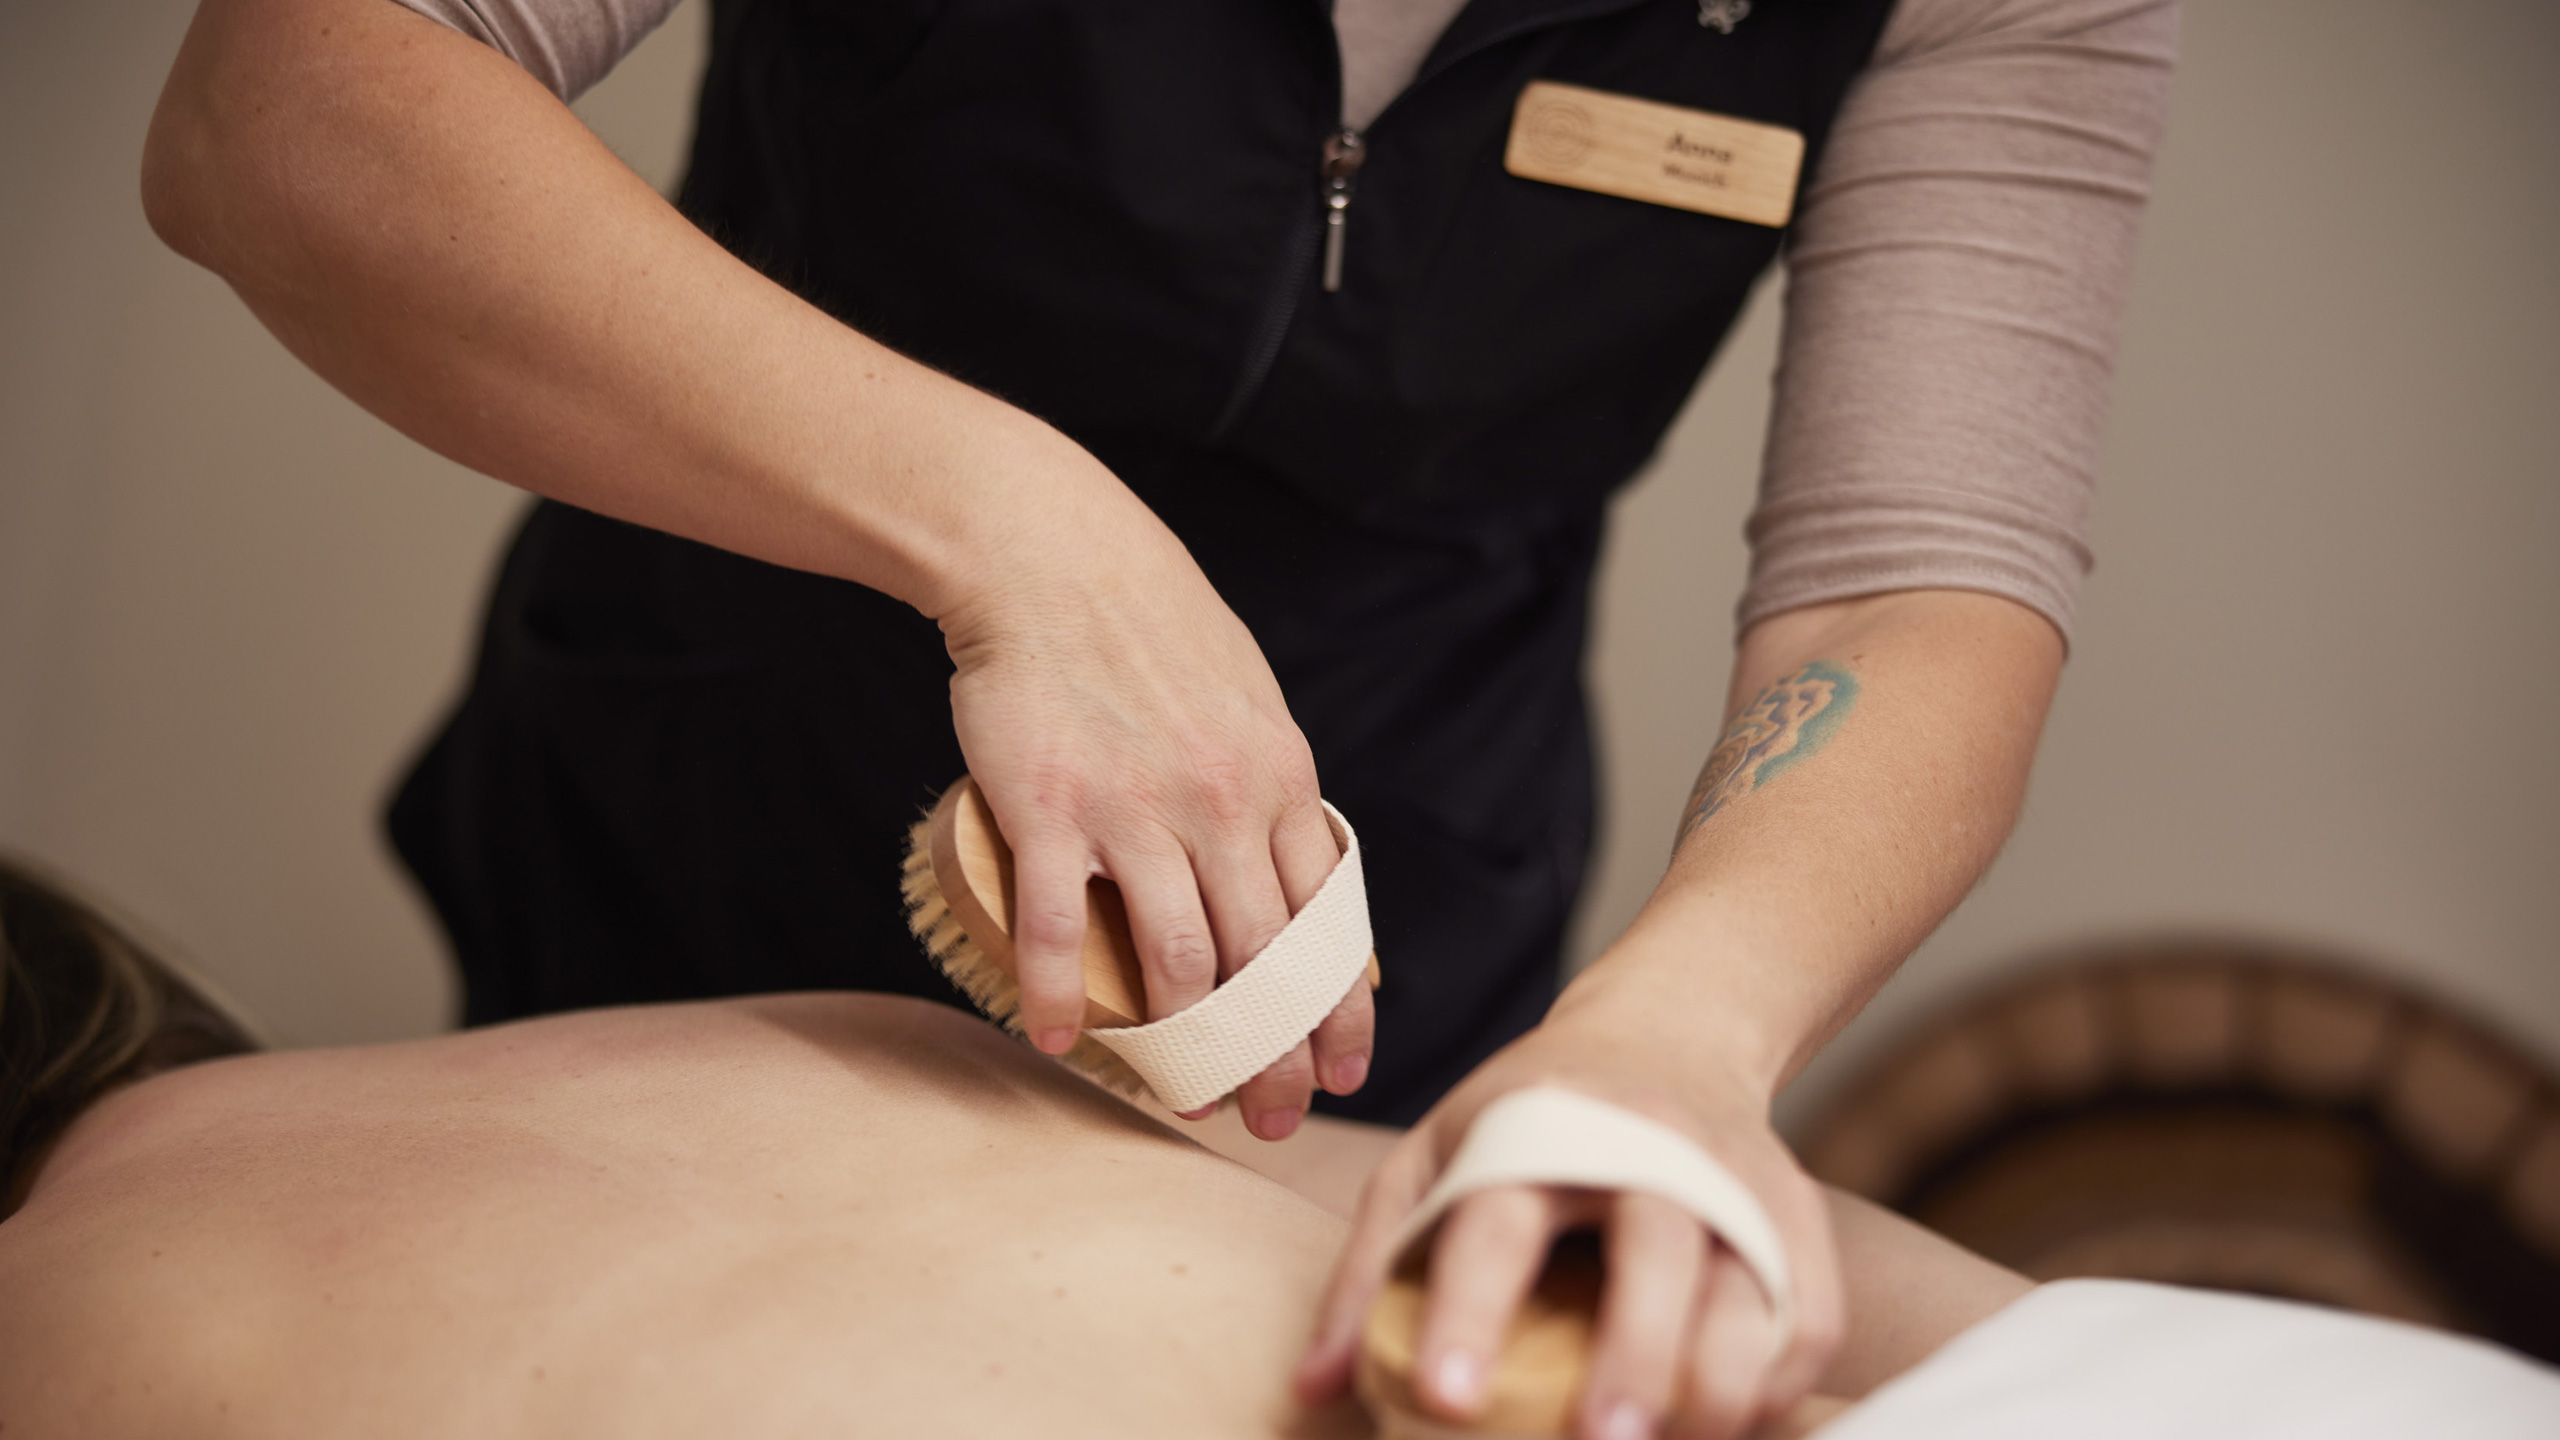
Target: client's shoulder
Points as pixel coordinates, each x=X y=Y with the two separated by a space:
x=559 y=1071
x=834 y=1032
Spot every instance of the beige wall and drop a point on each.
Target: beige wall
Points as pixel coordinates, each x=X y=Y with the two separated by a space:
x=231 y=603
x=2316 y=682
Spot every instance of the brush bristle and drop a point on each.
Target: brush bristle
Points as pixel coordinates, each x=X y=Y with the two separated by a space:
x=981 y=979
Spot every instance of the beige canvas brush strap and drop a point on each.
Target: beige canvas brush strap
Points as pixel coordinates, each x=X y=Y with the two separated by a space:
x=1197 y=1056
x=1548 y=1135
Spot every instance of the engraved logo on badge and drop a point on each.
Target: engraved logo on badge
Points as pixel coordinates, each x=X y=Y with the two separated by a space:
x=1722 y=15
x=1558 y=133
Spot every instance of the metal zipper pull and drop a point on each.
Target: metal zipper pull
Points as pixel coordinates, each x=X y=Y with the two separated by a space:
x=1343 y=152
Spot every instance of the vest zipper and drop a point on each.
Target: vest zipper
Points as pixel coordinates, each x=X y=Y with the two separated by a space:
x=1343 y=152
x=1268 y=335
x=1344 y=149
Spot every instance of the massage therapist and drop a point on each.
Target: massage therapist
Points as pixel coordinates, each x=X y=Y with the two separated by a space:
x=1168 y=410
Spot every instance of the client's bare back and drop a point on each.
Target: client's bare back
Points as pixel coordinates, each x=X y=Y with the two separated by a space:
x=797 y=1215
x=819 y=1214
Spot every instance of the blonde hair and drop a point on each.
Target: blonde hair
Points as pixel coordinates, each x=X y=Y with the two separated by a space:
x=83 y=1009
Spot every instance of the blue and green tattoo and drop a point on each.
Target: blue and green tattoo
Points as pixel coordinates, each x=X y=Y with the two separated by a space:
x=1786 y=723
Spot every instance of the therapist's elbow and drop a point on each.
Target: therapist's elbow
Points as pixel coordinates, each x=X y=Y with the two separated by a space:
x=215 y=174
x=178 y=179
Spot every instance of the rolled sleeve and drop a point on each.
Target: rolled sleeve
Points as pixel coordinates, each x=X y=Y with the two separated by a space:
x=568 y=45
x=1955 y=281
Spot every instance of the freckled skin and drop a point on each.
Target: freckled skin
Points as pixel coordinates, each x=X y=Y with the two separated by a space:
x=840 y=1215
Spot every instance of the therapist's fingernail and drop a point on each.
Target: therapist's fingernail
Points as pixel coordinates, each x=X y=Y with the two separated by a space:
x=1324 y=1369
x=1056 y=1040
x=1625 y=1420
x=1459 y=1379
x=1349 y=1073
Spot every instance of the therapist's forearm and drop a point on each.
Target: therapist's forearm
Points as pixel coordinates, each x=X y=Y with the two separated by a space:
x=436 y=235
x=1878 y=759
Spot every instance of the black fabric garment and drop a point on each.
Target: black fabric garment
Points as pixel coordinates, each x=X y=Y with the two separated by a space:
x=681 y=773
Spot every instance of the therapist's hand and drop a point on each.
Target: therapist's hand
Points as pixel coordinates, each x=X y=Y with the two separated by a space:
x=1794 y=890
x=1686 y=1344
x=1122 y=722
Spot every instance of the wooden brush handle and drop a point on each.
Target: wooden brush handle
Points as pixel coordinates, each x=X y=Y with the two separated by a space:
x=1536 y=1382
x=1532 y=1386
x=973 y=867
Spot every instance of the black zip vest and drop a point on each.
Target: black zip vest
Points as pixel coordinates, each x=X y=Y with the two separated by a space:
x=679 y=772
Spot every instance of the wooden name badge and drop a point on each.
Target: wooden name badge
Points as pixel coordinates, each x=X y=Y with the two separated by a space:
x=1646 y=150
